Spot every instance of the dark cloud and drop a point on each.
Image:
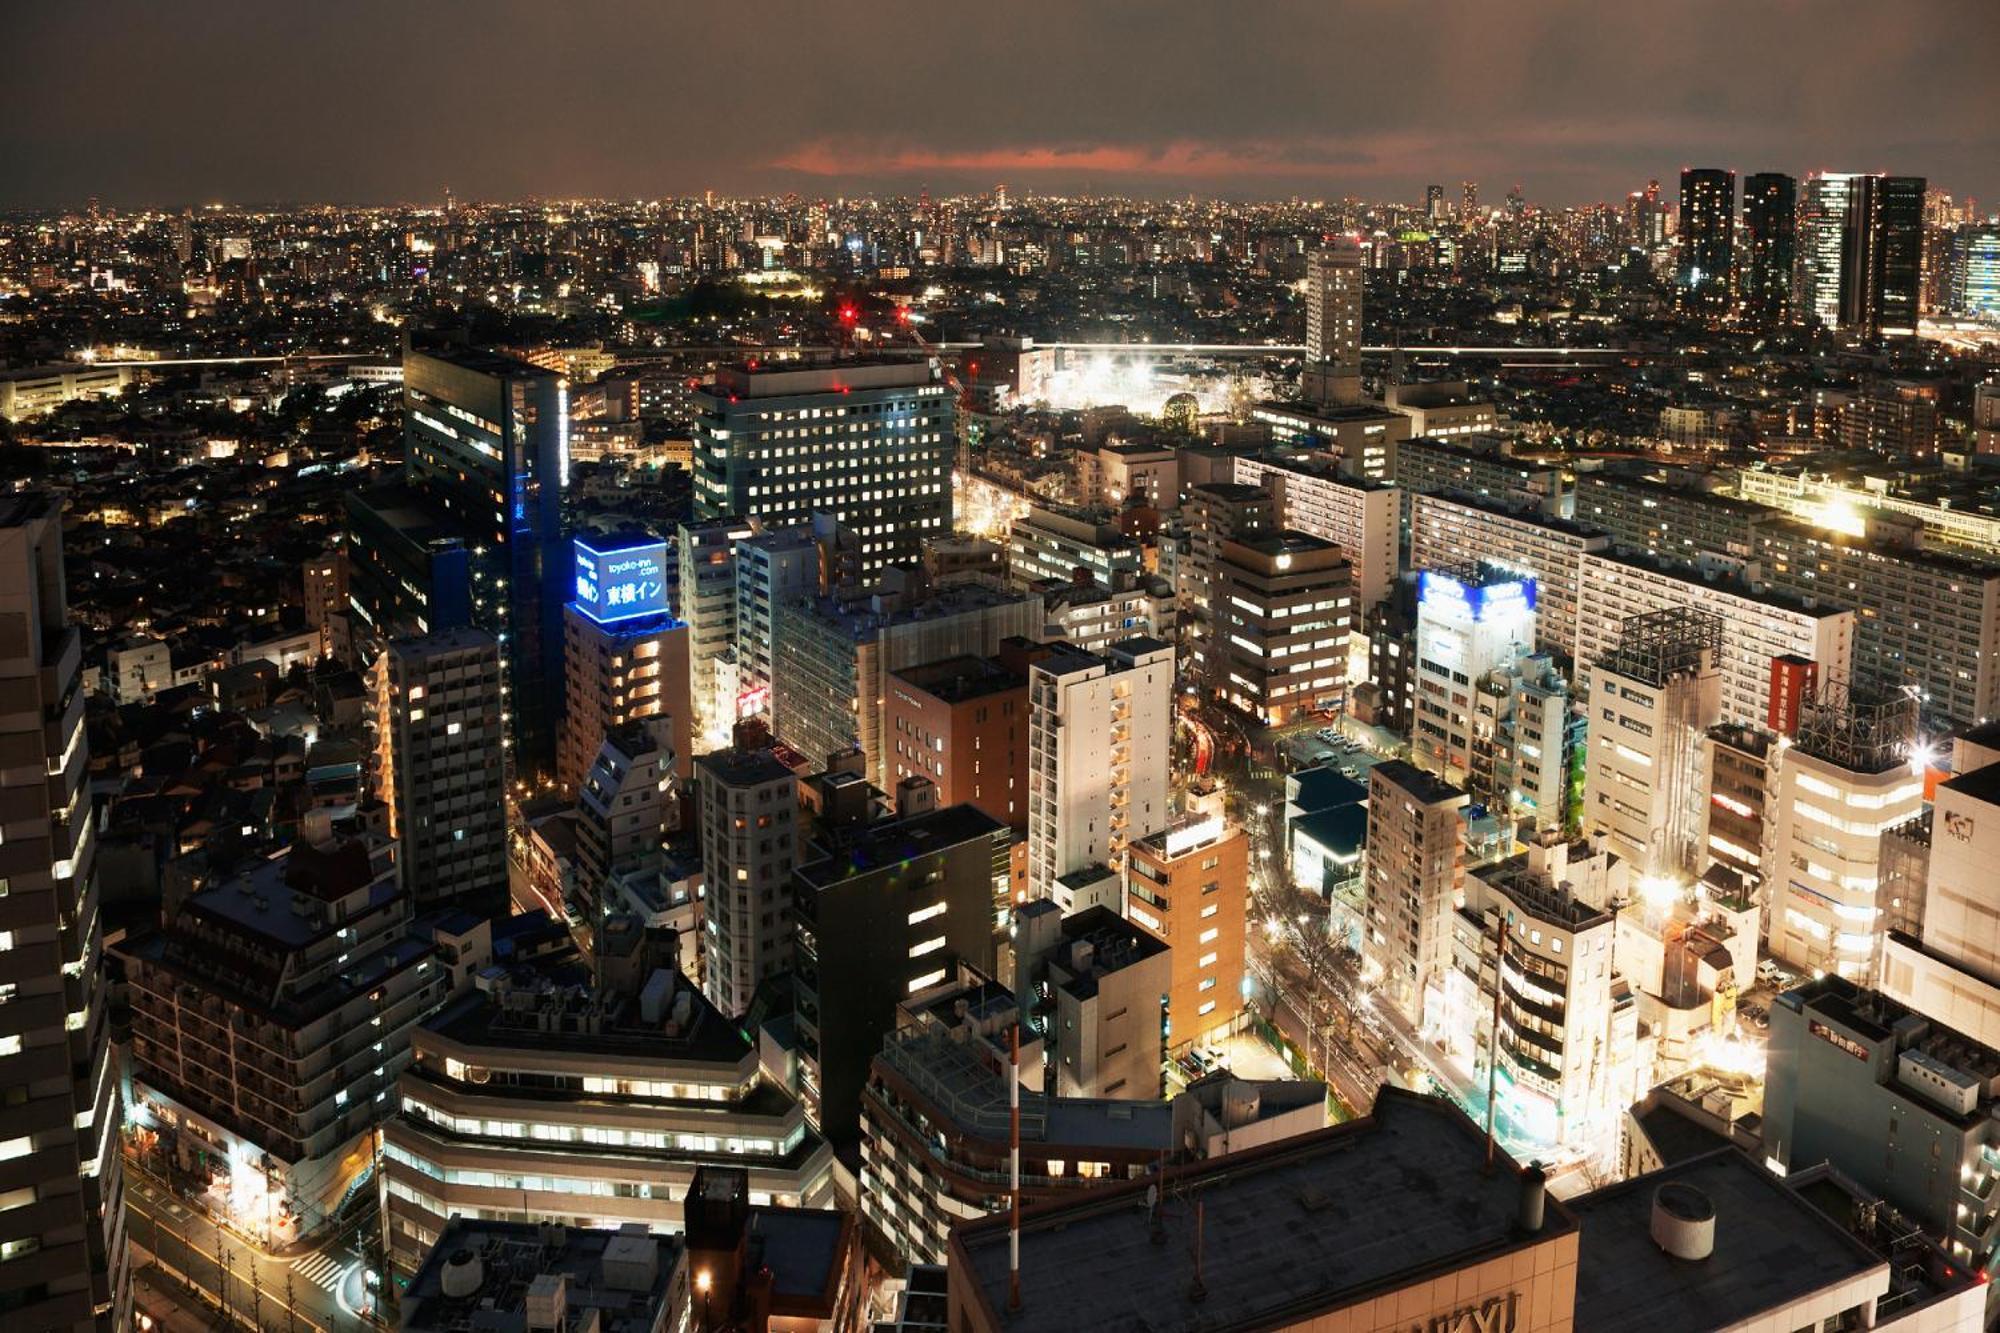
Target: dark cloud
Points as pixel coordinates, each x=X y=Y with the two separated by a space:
x=380 y=100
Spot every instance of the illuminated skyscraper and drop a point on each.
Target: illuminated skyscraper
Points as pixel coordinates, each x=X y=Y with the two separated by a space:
x=1975 y=271
x=1708 y=233
x=1468 y=204
x=1822 y=240
x=1770 y=245
x=59 y=1121
x=1434 y=202
x=625 y=658
x=1469 y=626
x=1882 y=256
x=1333 y=324
x=471 y=535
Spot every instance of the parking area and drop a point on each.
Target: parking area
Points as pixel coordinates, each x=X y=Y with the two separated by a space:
x=1337 y=747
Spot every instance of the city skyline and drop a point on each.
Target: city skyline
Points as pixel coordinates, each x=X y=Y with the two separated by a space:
x=615 y=101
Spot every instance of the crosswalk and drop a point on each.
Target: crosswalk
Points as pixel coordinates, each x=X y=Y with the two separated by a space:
x=322 y=1270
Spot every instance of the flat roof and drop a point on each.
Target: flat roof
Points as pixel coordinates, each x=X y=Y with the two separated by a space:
x=1772 y=1249
x=1308 y=1224
x=896 y=841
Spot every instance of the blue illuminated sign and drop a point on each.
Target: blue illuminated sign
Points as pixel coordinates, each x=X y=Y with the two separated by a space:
x=621 y=584
x=1482 y=603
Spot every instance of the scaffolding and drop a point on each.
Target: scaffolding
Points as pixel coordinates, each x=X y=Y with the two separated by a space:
x=1862 y=733
x=1655 y=647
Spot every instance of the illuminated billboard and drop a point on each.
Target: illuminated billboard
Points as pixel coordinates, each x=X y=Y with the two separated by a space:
x=1482 y=603
x=623 y=583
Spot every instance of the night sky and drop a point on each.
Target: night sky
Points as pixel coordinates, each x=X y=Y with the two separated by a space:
x=366 y=101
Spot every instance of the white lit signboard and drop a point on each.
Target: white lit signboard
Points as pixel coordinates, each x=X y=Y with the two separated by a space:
x=621 y=584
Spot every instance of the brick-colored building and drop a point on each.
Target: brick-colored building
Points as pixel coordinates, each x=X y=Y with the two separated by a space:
x=1189 y=886
x=963 y=723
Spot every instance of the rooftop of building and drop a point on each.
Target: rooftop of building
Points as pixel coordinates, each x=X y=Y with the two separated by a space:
x=1341 y=829
x=1981 y=784
x=742 y=768
x=1929 y=557
x=820 y=374
x=1425 y=788
x=1772 y=1250
x=625 y=1277
x=1325 y=787
x=860 y=612
x=556 y=1007
x=1308 y=1224
x=1720 y=503
x=1743 y=737
x=1331 y=413
x=1288 y=542
x=1188 y=834
x=955 y=680
x=895 y=842
x=1098 y=942
x=1722 y=581
x=1487 y=504
x=283 y=899
x=1875 y=1017
x=482 y=360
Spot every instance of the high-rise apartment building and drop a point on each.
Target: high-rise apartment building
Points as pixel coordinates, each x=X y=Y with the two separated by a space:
x=869 y=442
x=1653 y=696
x=1740 y=806
x=1451 y=530
x=1416 y=858
x=63 y=1176
x=708 y=599
x=1760 y=624
x=749 y=845
x=1882 y=256
x=1975 y=271
x=440 y=767
x=1334 y=290
x=625 y=656
x=1099 y=740
x=1769 y=261
x=1357 y=515
x=962 y=723
x=472 y=533
x=626 y=805
x=1095 y=989
x=771 y=569
x=1707 y=236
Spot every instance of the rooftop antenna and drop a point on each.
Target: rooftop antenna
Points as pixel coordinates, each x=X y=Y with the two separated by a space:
x=1014 y=1169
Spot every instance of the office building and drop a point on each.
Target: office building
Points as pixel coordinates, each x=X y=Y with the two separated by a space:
x=1047 y=543
x=1471 y=625
x=271 y=1016
x=471 y=536
x=1363 y=438
x=1652 y=698
x=1283 y=607
x=1823 y=245
x=1845 y=780
x=1892 y=1098
x=1442 y=409
x=1094 y=617
x=626 y=806
x=552 y=1095
x=1214 y=512
x=1532 y=768
x=771 y=568
x=31 y=391
x=1100 y=734
x=1416 y=859
x=1189 y=885
x=1760 y=625
x=1738 y=848
x=937 y=1125
x=60 y=1129
x=1357 y=515
x=625 y=656
x=1334 y=289
x=831 y=656
x=1882 y=256
x=1387 y=698
x=1769 y=253
x=1095 y=988
x=532 y=1276
x=1940 y=953
x=885 y=911
x=441 y=765
x=1707 y=236
x=708 y=599
x=1714 y=1240
x=869 y=442
x=962 y=723
x=760 y=1268
x=749 y=836
x=1975 y=271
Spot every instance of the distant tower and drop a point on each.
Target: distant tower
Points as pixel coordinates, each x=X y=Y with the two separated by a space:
x=1822 y=241
x=1882 y=256
x=1708 y=235
x=1434 y=202
x=1469 y=200
x=1770 y=245
x=1333 y=324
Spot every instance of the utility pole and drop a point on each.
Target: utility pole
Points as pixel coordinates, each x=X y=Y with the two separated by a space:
x=291 y=1306
x=222 y=1274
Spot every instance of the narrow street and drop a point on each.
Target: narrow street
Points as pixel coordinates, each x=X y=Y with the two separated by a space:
x=186 y=1267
